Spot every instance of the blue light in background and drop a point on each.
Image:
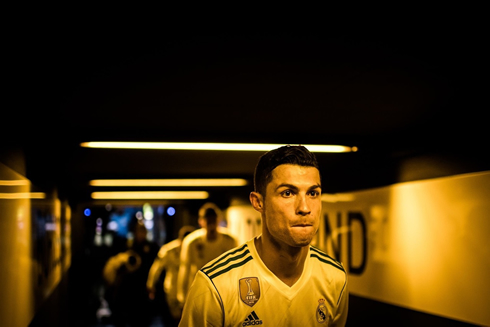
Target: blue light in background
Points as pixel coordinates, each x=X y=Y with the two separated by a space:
x=87 y=212
x=170 y=211
x=122 y=219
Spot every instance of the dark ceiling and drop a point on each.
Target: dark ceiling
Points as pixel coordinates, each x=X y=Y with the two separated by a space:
x=393 y=90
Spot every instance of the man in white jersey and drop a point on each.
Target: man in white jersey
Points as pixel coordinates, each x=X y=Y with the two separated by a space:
x=276 y=278
x=201 y=246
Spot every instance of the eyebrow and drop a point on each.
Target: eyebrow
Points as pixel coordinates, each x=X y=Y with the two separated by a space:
x=291 y=186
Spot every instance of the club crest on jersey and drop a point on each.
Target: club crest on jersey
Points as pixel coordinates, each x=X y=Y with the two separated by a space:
x=249 y=290
x=321 y=312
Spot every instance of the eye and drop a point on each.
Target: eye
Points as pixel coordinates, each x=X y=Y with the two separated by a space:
x=314 y=193
x=287 y=193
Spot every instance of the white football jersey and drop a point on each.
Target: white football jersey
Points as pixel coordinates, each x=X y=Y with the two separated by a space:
x=237 y=289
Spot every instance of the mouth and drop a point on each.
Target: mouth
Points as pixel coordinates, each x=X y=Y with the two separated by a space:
x=302 y=225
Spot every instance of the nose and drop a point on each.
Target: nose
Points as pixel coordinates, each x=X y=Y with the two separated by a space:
x=302 y=207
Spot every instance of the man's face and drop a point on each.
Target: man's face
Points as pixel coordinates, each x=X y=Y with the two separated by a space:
x=292 y=205
x=211 y=225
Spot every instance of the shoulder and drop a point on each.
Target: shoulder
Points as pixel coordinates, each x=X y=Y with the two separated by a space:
x=228 y=262
x=225 y=232
x=193 y=236
x=328 y=269
x=325 y=261
x=168 y=247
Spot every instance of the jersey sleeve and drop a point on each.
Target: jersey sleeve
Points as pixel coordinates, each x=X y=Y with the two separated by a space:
x=156 y=268
x=112 y=266
x=203 y=305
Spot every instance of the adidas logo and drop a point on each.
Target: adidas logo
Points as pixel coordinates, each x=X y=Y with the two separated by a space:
x=252 y=320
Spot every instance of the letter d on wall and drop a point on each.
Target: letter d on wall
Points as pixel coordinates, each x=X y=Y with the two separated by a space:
x=357 y=269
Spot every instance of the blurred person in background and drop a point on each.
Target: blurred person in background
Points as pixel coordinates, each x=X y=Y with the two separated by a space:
x=125 y=275
x=201 y=246
x=167 y=263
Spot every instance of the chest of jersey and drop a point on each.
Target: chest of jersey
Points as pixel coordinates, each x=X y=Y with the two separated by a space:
x=258 y=300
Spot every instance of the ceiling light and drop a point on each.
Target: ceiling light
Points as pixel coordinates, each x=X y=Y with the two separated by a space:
x=14 y=182
x=182 y=195
x=211 y=146
x=170 y=182
x=23 y=195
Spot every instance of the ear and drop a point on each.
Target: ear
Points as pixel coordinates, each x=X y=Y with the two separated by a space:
x=257 y=201
x=202 y=222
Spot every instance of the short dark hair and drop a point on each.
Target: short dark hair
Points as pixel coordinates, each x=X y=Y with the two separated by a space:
x=287 y=154
x=209 y=210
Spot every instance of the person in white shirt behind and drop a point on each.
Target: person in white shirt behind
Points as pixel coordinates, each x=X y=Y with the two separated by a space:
x=201 y=246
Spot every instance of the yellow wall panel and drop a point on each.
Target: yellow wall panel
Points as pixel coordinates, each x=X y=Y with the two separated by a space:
x=422 y=245
x=17 y=305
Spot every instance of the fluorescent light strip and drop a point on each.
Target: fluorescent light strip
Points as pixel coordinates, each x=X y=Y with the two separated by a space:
x=184 y=195
x=170 y=182
x=14 y=182
x=211 y=146
x=23 y=195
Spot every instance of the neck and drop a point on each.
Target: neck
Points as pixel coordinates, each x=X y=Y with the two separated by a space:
x=286 y=262
x=211 y=236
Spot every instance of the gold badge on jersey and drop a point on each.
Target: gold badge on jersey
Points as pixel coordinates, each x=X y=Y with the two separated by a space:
x=321 y=312
x=249 y=290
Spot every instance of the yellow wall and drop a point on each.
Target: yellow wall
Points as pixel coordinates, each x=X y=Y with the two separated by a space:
x=17 y=280
x=422 y=245
x=35 y=247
